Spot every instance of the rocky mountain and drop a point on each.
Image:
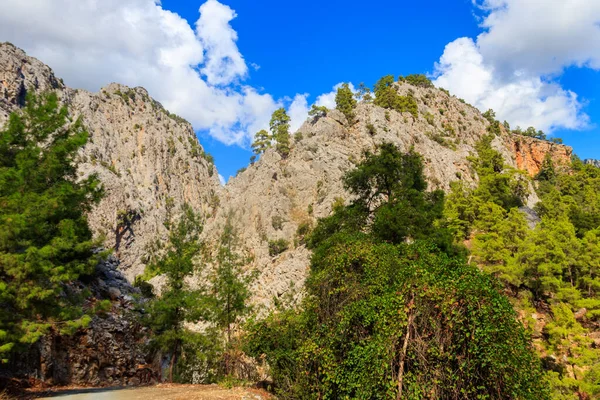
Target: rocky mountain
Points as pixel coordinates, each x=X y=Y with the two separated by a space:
x=148 y=159
x=595 y=163
x=275 y=198
x=150 y=163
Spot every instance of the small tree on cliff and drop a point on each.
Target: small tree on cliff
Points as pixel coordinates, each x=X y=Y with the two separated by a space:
x=280 y=129
x=345 y=102
x=178 y=302
x=45 y=241
x=262 y=141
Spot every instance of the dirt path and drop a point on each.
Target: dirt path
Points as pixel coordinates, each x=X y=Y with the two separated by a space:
x=162 y=392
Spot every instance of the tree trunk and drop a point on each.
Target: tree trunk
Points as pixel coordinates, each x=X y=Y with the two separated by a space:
x=411 y=317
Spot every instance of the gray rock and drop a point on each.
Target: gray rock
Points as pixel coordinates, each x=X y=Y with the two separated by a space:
x=114 y=293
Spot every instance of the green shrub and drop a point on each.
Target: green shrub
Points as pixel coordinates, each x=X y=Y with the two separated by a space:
x=277 y=222
x=387 y=96
x=371 y=129
x=278 y=246
x=429 y=118
x=419 y=80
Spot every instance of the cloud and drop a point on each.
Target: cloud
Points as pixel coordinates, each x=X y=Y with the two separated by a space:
x=224 y=63
x=523 y=101
x=222 y=180
x=540 y=37
x=197 y=74
x=513 y=64
x=298 y=109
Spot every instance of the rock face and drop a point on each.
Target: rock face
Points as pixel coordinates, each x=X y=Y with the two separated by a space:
x=151 y=163
x=148 y=160
x=529 y=153
x=595 y=163
x=274 y=197
x=109 y=352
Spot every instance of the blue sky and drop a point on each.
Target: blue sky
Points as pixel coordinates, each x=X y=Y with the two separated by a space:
x=225 y=65
x=308 y=46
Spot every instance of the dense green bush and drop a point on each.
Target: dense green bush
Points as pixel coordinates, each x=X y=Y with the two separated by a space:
x=386 y=96
x=278 y=246
x=419 y=80
x=388 y=314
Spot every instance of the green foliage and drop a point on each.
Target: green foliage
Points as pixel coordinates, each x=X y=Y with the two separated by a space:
x=371 y=129
x=280 y=127
x=178 y=303
x=364 y=93
x=429 y=118
x=45 y=241
x=418 y=80
x=262 y=141
x=277 y=222
x=387 y=96
x=304 y=229
x=278 y=246
x=500 y=188
x=547 y=172
x=345 y=102
x=389 y=197
x=230 y=295
x=554 y=264
x=317 y=112
x=383 y=318
x=240 y=171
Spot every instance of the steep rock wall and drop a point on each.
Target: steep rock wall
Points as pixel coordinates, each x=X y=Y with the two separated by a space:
x=149 y=161
x=529 y=153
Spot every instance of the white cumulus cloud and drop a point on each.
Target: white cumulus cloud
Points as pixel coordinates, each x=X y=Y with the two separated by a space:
x=196 y=73
x=513 y=64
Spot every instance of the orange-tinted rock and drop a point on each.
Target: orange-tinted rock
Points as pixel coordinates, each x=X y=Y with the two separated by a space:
x=529 y=153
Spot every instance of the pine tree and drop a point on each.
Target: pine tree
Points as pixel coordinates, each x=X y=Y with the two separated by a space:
x=280 y=130
x=547 y=172
x=262 y=141
x=387 y=96
x=45 y=241
x=178 y=302
x=345 y=102
x=363 y=93
x=230 y=289
x=317 y=111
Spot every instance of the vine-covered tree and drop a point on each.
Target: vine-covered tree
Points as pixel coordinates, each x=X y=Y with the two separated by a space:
x=280 y=130
x=386 y=317
x=345 y=102
x=45 y=241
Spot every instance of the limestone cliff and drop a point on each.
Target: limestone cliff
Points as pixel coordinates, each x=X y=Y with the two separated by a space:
x=149 y=161
x=529 y=153
x=275 y=196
